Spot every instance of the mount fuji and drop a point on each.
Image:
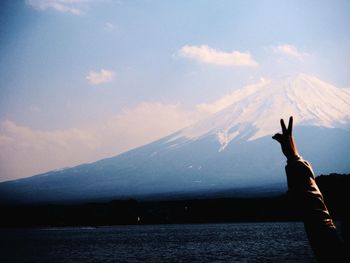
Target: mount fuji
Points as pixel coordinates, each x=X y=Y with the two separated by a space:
x=229 y=149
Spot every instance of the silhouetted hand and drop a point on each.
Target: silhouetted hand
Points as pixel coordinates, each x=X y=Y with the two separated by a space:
x=286 y=140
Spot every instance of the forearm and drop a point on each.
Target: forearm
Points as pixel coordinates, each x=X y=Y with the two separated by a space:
x=307 y=197
x=304 y=191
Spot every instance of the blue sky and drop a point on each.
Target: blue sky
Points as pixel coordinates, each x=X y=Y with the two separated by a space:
x=84 y=79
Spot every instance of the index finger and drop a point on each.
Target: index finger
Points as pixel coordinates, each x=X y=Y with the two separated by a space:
x=284 y=129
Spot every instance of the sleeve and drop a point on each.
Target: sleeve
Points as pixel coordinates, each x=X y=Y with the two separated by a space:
x=308 y=199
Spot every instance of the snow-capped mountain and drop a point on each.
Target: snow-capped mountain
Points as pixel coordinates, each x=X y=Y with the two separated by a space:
x=231 y=148
x=311 y=101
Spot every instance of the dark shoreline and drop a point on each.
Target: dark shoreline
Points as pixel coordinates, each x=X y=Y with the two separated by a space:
x=192 y=211
x=126 y=212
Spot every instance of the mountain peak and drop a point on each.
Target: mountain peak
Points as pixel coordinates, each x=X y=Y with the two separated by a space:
x=254 y=111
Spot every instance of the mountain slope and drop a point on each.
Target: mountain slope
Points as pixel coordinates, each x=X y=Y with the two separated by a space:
x=230 y=149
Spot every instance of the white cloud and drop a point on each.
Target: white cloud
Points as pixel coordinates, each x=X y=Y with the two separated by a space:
x=39 y=151
x=66 y=6
x=103 y=76
x=210 y=55
x=289 y=51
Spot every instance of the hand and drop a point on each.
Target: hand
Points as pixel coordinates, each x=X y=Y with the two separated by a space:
x=286 y=140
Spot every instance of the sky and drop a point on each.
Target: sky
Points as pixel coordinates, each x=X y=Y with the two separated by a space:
x=83 y=80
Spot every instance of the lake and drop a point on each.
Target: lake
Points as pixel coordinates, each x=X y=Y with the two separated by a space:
x=234 y=242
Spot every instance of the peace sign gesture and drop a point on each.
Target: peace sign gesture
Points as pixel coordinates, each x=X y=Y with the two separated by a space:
x=286 y=140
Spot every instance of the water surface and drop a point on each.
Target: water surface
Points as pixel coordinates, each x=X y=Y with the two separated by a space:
x=239 y=242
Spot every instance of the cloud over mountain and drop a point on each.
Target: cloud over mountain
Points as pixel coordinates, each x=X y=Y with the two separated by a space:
x=289 y=51
x=208 y=55
x=128 y=129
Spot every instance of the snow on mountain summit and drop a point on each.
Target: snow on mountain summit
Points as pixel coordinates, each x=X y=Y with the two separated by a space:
x=254 y=111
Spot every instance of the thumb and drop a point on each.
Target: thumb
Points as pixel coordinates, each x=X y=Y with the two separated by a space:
x=277 y=137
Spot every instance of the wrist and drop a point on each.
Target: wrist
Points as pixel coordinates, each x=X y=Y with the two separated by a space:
x=294 y=158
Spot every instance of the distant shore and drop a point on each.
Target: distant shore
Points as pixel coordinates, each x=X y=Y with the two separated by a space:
x=206 y=210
